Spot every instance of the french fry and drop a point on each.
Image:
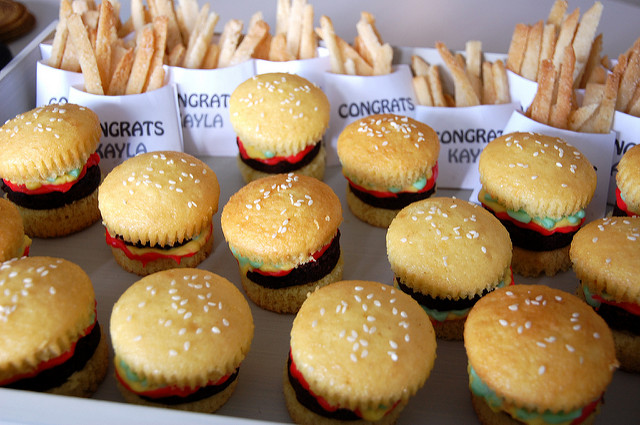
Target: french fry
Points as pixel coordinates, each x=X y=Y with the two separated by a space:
x=201 y=40
x=61 y=35
x=603 y=117
x=517 y=47
x=557 y=12
x=254 y=36
x=634 y=105
x=464 y=92
x=86 y=55
x=548 y=43
x=419 y=66
x=262 y=50
x=559 y=116
x=350 y=67
x=580 y=116
x=294 y=27
x=328 y=34
x=436 y=86
x=348 y=52
x=210 y=60
x=106 y=28
x=488 y=86
x=629 y=79
x=197 y=28
x=141 y=61
x=138 y=14
x=155 y=79
x=421 y=88
x=165 y=8
x=229 y=41
x=593 y=69
x=186 y=15
x=278 y=50
x=282 y=16
x=584 y=37
x=473 y=52
x=541 y=106
x=176 y=55
x=530 y=61
x=120 y=75
x=567 y=31
x=593 y=93
x=70 y=60
x=501 y=82
x=308 y=39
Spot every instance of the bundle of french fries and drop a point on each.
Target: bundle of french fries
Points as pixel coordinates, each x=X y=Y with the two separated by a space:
x=554 y=103
x=294 y=37
x=476 y=81
x=628 y=99
x=369 y=55
x=109 y=65
x=531 y=45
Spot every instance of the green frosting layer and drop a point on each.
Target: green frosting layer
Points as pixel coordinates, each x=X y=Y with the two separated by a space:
x=130 y=375
x=479 y=388
x=546 y=222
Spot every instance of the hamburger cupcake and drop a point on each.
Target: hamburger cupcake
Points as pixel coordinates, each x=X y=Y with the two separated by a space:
x=49 y=168
x=283 y=230
x=389 y=162
x=359 y=351
x=179 y=337
x=13 y=242
x=157 y=209
x=448 y=253
x=628 y=184
x=537 y=355
x=538 y=186
x=51 y=340
x=280 y=120
x=606 y=258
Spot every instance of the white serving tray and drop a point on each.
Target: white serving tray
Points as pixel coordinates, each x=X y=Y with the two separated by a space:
x=258 y=397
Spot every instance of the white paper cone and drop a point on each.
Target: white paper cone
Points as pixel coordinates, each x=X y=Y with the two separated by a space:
x=353 y=97
x=463 y=133
x=203 y=101
x=133 y=124
x=52 y=84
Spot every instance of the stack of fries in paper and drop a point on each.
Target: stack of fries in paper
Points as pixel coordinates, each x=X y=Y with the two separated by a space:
x=476 y=81
x=109 y=64
x=563 y=55
x=369 y=55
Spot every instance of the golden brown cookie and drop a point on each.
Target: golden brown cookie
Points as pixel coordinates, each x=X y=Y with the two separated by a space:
x=569 y=360
x=283 y=230
x=389 y=161
x=280 y=120
x=359 y=351
x=67 y=355
x=606 y=258
x=179 y=337
x=157 y=209
x=447 y=253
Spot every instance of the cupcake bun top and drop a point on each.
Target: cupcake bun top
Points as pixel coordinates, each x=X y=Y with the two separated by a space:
x=540 y=348
x=387 y=150
x=183 y=327
x=628 y=177
x=47 y=142
x=159 y=198
x=279 y=113
x=362 y=344
x=11 y=230
x=46 y=305
x=540 y=174
x=448 y=248
x=281 y=219
x=606 y=257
